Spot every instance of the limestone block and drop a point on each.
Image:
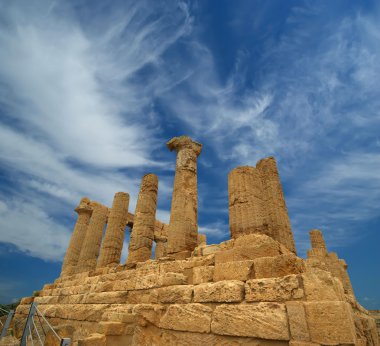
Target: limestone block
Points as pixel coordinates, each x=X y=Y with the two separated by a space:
x=93 y=340
x=169 y=279
x=222 y=291
x=239 y=270
x=149 y=296
x=266 y=267
x=180 y=294
x=263 y=246
x=330 y=322
x=111 y=328
x=198 y=275
x=208 y=260
x=124 y=317
x=187 y=317
x=210 y=249
x=273 y=289
x=106 y=298
x=321 y=285
x=172 y=267
x=264 y=320
x=148 y=313
x=148 y=281
x=297 y=321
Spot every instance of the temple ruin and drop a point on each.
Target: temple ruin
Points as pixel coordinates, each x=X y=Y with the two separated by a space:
x=250 y=290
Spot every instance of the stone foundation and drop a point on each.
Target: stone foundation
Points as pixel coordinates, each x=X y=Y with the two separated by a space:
x=209 y=299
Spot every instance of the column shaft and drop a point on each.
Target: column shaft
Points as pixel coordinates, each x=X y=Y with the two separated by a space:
x=142 y=235
x=115 y=232
x=93 y=239
x=245 y=202
x=161 y=248
x=73 y=251
x=277 y=212
x=183 y=225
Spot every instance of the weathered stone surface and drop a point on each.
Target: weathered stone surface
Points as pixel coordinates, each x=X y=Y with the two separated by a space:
x=169 y=279
x=183 y=225
x=274 y=289
x=299 y=330
x=149 y=296
x=199 y=275
x=264 y=320
x=140 y=244
x=222 y=291
x=267 y=267
x=180 y=294
x=187 y=317
x=321 y=285
x=239 y=270
x=263 y=246
x=93 y=340
x=330 y=322
x=114 y=236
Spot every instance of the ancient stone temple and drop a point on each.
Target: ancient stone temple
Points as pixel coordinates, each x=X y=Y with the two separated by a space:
x=252 y=289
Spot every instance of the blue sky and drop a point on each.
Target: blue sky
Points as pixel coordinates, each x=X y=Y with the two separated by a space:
x=90 y=91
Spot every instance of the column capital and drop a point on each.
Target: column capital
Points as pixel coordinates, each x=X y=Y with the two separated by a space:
x=184 y=142
x=84 y=206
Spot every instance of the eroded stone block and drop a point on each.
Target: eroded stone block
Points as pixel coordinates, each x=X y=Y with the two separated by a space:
x=273 y=289
x=187 y=317
x=330 y=322
x=239 y=270
x=264 y=320
x=222 y=291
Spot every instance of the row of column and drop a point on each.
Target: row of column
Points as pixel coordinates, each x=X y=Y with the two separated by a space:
x=87 y=252
x=86 y=242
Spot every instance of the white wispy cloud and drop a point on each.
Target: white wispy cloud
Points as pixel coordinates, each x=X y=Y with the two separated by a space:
x=75 y=118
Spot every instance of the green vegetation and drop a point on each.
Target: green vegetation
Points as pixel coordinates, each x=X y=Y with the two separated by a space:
x=8 y=307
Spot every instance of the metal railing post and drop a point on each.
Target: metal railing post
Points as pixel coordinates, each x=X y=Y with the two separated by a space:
x=28 y=322
x=7 y=323
x=65 y=342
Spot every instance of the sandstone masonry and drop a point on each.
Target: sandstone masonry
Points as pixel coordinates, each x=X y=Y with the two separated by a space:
x=249 y=290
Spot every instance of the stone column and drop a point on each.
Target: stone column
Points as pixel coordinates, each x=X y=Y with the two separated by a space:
x=245 y=202
x=114 y=237
x=84 y=211
x=318 y=246
x=278 y=217
x=161 y=248
x=141 y=241
x=93 y=239
x=183 y=225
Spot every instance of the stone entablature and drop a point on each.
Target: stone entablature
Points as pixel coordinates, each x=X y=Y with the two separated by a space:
x=250 y=290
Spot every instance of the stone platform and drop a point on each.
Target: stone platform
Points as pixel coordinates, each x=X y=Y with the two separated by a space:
x=245 y=291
